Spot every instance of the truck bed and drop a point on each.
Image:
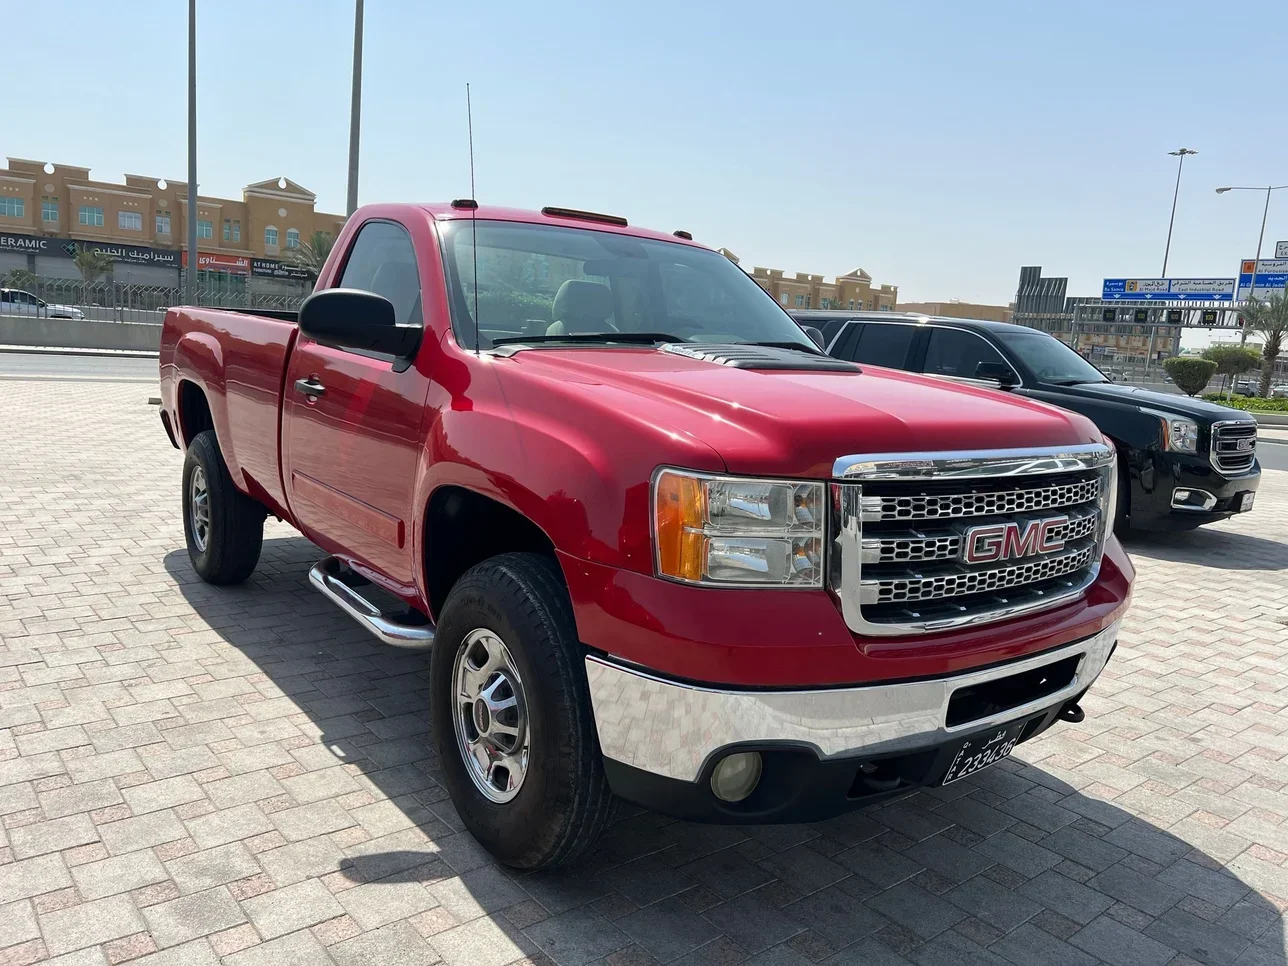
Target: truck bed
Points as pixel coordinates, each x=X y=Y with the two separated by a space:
x=238 y=358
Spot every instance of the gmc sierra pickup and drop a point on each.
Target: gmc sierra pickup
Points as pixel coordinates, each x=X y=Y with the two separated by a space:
x=662 y=546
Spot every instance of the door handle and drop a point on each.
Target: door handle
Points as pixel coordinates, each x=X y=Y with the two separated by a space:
x=310 y=386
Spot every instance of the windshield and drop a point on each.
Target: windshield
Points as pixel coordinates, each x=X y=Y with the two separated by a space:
x=1050 y=359
x=547 y=281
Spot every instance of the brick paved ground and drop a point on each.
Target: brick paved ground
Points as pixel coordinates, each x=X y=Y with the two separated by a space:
x=189 y=774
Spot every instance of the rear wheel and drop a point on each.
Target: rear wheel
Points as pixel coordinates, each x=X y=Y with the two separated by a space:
x=512 y=714
x=223 y=526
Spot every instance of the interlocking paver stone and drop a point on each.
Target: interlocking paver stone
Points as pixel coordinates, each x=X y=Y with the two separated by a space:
x=32 y=877
x=194 y=916
x=198 y=871
x=53 y=836
x=121 y=873
x=233 y=740
x=285 y=910
x=90 y=923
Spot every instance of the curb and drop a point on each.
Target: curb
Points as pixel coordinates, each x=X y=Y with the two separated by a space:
x=40 y=350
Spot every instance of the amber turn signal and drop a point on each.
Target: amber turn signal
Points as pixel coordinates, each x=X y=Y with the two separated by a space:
x=679 y=510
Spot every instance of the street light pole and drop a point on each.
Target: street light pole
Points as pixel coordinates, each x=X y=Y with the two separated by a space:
x=1178 y=153
x=190 y=278
x=1261 y=236
x=355 y=111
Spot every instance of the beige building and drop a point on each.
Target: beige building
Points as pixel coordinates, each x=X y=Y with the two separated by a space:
x=143 y=223
x=955 y=309
x=853 y=290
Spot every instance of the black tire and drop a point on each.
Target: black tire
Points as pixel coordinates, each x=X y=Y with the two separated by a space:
x=235 y=527
x=564 y=802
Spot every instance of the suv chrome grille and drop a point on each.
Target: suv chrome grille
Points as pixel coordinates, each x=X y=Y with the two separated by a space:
x=929 y=541
x=1234 y=445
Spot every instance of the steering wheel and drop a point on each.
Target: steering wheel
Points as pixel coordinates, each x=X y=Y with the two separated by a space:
x=1049 y=372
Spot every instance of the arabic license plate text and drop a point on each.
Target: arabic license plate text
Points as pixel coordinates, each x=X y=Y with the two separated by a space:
x=981 y=750
x=1245 y=501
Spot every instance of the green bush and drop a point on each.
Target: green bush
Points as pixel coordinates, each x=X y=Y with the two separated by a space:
x=1189 y=373
x=1251 y=404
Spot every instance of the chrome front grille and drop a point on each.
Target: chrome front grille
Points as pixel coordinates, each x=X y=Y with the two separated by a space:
x=946 y=543
x=925 y=542
x=953 y=505
x=1234 y=445
x=900 y=590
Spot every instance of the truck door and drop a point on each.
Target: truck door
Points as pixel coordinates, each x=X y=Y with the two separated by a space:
x=352 y=422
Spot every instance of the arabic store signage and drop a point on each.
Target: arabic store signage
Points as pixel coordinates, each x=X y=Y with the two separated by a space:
x=49 y=246
x=216 y=262
x=275 y=269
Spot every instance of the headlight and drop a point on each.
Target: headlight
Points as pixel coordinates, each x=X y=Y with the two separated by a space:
x=728 y=531
x=1180 y=435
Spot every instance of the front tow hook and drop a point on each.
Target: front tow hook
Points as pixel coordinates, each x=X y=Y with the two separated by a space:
x=1072 y=712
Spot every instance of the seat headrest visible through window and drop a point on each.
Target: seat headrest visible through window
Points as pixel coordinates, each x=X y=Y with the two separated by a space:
x=399 y=283
x=581 y=306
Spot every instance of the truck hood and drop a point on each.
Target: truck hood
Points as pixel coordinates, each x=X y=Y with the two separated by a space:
x=797 y=423
x=1199 y=409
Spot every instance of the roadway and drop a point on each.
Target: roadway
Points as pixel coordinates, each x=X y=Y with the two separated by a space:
x=77 y=368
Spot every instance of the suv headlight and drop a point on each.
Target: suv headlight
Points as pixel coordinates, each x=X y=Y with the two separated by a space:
x=1180 y=434
x=730 y=531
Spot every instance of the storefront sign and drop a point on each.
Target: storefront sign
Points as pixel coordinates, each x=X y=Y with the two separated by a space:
x=48 y=246
x=270 y=268
x=216 y=262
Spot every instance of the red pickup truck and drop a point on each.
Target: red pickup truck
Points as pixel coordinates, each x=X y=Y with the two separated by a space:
x=662 y=546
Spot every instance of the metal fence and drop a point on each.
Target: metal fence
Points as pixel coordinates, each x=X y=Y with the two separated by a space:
x=133 y=302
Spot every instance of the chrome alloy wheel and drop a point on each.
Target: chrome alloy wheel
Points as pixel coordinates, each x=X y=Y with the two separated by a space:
x=199 y=508
x=490 y=716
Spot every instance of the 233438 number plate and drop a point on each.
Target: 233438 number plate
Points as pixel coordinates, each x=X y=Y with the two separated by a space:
x=981 y=750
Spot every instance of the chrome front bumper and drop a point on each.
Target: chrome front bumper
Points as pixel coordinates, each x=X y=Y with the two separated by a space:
x=673 y=729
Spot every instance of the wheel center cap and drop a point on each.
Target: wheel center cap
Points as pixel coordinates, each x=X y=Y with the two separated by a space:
x=482 y=719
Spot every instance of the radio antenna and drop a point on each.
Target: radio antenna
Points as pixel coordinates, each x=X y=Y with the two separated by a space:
x=474 y=210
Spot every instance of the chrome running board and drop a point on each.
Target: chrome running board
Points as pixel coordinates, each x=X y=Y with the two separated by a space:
x=328 y=575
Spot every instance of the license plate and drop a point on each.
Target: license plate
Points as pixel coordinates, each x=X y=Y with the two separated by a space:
x=1245 y=501
x=981 y=750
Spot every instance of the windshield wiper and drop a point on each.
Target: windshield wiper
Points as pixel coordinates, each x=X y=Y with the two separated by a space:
x=635 y=338
x=1078 y=382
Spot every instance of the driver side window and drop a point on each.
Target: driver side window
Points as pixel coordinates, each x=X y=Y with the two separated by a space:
x=383 y=260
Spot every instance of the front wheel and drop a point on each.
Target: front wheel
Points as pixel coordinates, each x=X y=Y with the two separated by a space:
x=512 y=714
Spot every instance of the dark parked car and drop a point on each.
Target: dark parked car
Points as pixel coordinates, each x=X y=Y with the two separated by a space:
x=1183 y=462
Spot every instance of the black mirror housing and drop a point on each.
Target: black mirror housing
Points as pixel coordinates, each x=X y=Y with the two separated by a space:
x=351 y=318
x=1000 y=372
x=817 y=335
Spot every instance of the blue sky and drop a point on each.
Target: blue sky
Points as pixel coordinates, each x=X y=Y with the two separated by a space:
x=939 y=145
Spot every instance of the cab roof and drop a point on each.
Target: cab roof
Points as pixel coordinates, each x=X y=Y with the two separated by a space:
x=449 y=211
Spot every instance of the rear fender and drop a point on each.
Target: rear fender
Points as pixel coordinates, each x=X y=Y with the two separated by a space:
x=199 y=359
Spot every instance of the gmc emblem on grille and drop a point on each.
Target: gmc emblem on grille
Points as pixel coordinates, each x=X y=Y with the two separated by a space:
x=1008 y=541
x=1245 y=445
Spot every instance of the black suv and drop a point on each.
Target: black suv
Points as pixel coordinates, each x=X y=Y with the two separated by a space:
x=1184 y=461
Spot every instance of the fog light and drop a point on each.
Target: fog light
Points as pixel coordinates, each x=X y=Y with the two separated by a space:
x=736 y=776
x=1189 y=499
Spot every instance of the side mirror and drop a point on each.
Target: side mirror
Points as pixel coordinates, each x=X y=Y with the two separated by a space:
x=350 y=318
x=816 y=335
x=999 y=372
